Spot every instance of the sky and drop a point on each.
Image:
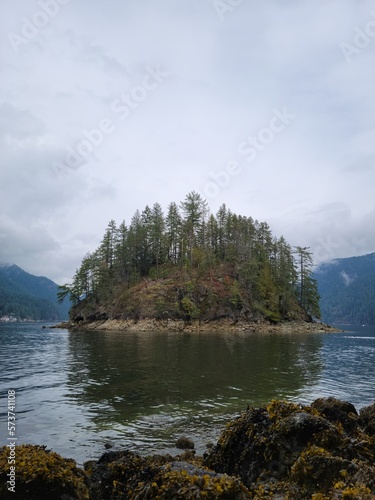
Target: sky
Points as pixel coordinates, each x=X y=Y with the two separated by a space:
x=108 y=106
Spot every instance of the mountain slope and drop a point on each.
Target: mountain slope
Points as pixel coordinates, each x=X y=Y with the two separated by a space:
x=347 y=290
x=27 y=296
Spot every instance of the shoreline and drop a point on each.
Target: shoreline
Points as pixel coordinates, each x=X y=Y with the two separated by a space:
x=220 y=325
x=280 y=450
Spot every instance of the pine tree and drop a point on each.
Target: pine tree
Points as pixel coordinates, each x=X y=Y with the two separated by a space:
x=307 y=286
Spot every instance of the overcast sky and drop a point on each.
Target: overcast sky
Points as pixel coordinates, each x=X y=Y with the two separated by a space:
x=267 y=106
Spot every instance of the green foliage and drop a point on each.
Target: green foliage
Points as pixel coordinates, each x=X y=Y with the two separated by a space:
x=235 y=296
x=307 y=286
x=189 y=308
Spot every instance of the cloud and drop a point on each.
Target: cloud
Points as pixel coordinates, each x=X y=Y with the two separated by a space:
x=313 y=182
x=347 y=278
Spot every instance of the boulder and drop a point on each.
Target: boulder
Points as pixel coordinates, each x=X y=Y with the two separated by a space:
x=295 y=451
x=335 y=410
x=185 y=443
x=41 y=473
x=126 y=475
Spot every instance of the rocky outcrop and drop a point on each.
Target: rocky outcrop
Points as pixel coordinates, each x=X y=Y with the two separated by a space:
x=295 y=451
x=220 y=325
x=282 y=451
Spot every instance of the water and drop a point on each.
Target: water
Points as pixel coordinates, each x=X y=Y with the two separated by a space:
x=77 y=391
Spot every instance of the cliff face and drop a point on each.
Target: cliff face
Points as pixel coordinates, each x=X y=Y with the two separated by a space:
x=188 y=297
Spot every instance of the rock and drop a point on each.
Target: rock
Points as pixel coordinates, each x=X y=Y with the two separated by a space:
x=41 y=473
x=367 y=417
x=335 y=410
x=295 y=451
x=282 y=450
x=108 y=445
x=185 y=443
x=126 y=475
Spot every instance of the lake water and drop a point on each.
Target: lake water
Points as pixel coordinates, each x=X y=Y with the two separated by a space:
x=77 y=391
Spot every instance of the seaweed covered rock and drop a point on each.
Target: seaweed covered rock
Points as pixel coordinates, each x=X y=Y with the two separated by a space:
x=293 y=451
x=185 y=443
x=126 y=475
x=367 y=417
x=281 y=451
x=40 y=473
x=335 y=410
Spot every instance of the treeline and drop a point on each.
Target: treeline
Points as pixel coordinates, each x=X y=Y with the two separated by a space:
x=189 y=239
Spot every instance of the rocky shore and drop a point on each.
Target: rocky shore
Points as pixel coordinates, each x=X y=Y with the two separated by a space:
x=220 y=325
x=282 y=451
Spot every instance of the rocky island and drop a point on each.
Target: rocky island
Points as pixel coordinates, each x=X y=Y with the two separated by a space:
x=193 y=270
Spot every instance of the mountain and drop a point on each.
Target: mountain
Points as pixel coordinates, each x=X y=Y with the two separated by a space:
x=347 y=290
x=24 y=295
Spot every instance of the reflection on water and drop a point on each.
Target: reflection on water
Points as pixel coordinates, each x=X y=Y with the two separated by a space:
x=75 y=391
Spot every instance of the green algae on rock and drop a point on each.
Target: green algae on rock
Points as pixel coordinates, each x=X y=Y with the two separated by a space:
x=282 y=451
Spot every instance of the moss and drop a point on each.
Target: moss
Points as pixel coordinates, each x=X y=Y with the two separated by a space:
x=41 y=473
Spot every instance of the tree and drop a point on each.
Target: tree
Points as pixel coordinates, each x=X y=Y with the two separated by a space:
x=157 y=237
x=173 y=226
x=306 y=285
x=195 y=210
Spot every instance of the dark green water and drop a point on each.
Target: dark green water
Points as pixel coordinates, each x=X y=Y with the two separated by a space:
x=76 y=391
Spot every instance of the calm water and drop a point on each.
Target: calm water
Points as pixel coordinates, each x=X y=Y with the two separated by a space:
x=76 y=391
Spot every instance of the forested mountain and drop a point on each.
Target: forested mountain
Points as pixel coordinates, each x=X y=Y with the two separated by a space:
x=190 y=264
x=347 y=290
x=26 y=296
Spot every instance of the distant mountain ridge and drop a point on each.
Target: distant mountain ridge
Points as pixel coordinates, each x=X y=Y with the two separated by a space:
x=24 y=295
x=347 y=290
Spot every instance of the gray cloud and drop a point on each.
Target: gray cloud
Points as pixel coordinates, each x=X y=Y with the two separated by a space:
x=313 y=182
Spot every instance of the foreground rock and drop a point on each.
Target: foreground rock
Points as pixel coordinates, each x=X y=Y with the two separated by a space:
x=41 y=474
x=281 y=451
x=295 y=451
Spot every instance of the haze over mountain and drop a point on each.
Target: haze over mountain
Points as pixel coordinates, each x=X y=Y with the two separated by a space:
x=24 y=295
x=347 y=290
